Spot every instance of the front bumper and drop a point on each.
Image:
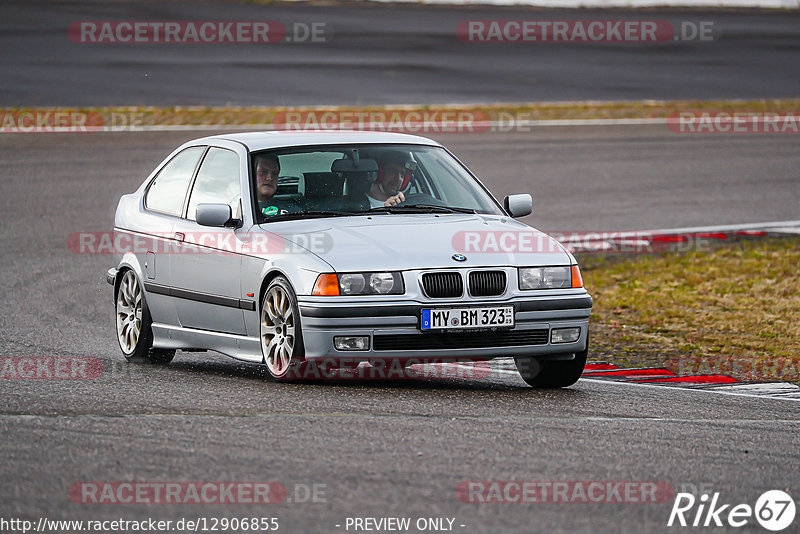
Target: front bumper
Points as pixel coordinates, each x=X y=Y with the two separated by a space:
x=111 y=276
x=394 y=330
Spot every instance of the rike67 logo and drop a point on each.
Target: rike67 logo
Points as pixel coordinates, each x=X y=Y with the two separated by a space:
x=774 y=510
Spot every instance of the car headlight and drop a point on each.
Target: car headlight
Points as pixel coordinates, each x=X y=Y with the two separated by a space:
x=549 y=277
x=383 y=283
x=352 y=284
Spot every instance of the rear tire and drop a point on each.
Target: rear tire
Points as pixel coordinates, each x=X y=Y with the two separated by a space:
x=552 y=373
x=134 y=324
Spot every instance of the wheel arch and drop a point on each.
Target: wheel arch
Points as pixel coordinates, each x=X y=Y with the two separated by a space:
x=129 y=263
x=267 y=280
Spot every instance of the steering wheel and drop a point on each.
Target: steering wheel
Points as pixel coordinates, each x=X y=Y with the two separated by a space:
x=421 y=198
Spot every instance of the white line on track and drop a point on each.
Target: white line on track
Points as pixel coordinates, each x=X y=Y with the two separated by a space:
x=782 y=225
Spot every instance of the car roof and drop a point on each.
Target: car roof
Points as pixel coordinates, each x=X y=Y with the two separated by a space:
x=256 y=141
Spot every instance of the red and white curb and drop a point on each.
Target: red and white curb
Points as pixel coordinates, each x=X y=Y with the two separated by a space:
x=710 y=382
x=599 y=371
x=673 y=239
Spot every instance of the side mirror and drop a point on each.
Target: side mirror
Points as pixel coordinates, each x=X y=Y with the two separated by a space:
x=215 y=215
x=518 y=205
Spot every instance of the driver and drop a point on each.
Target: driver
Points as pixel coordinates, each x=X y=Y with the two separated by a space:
x=394 y=173
x=267 y=170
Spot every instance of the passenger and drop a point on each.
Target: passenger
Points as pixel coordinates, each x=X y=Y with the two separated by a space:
x=394 y=173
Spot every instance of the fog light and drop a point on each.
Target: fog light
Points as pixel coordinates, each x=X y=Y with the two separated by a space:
x=351 y=342
x=565 y=335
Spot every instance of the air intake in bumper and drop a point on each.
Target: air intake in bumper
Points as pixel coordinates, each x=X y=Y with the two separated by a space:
x=466 y=340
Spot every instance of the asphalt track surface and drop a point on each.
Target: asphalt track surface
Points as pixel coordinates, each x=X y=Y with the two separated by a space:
x=385 y=54
x=381 y=448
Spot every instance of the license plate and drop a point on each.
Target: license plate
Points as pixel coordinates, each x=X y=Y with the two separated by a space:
x=467 y=318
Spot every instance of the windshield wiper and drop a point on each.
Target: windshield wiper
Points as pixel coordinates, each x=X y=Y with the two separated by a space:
x=415 y=208
x=420 y=208
x=308 y=215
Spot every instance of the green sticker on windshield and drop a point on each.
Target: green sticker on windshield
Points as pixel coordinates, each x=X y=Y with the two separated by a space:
x=270 y=210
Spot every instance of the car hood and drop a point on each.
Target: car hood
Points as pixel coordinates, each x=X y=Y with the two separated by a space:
x=420 y=241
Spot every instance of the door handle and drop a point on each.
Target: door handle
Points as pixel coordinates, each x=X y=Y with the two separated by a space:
x=179 y=236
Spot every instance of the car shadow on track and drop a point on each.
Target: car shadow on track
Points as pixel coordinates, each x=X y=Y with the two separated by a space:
x=434 y=376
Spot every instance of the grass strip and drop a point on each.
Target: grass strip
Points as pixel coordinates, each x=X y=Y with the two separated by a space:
x=123 y=116
x=733 y=310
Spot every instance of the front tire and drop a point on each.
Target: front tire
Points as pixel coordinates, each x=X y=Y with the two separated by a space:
x=552 y=373
x=134 y=324
x=281 y=338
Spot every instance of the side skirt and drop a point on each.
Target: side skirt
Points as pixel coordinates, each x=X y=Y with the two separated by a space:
x=239 y=347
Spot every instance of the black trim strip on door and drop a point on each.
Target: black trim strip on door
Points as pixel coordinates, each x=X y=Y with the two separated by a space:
x=197 y=296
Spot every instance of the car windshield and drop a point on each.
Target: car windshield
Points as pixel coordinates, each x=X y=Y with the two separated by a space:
x=331 y=181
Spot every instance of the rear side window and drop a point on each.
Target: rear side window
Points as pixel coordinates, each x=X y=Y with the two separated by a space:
x=217 y=181
x=168 y=191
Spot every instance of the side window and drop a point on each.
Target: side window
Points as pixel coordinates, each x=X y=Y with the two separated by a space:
x=217 y=181
x=167 y=192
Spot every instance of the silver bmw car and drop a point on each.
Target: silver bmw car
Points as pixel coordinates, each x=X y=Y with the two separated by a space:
x=350 y=248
